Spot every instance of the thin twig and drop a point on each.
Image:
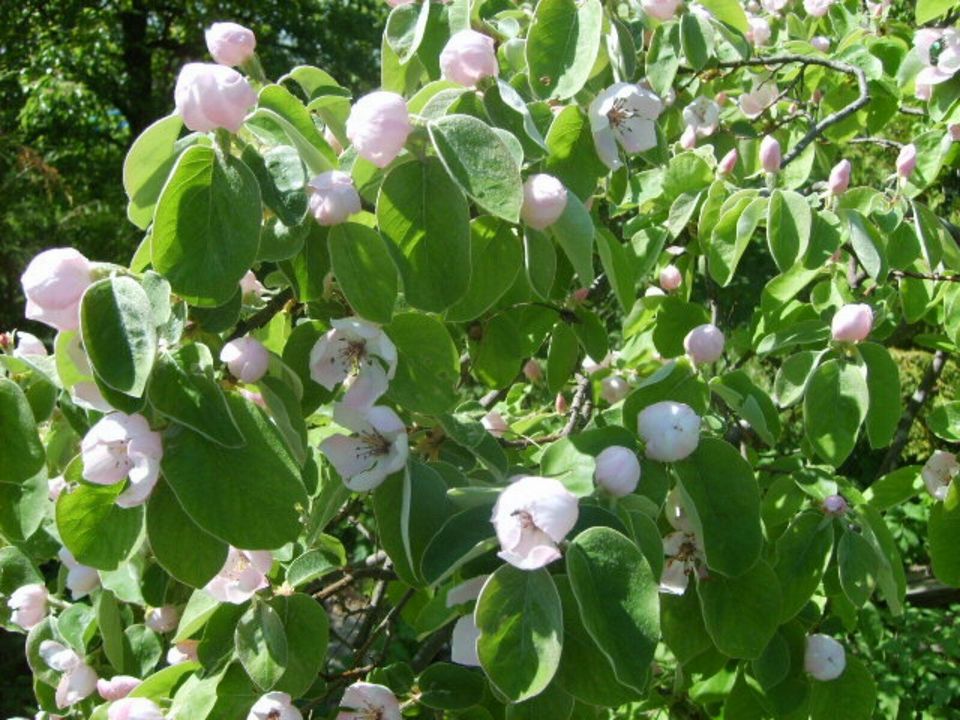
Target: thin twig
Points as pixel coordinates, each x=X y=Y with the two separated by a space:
x=263 y=315
x=916 y=402
x=581 y=407
x=877 y=141
x=384 y=624
x=934 y=276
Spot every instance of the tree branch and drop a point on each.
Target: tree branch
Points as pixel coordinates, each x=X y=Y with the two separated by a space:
x=817 y=130
x=934 y=276
x=916 y=402
x=263 y=315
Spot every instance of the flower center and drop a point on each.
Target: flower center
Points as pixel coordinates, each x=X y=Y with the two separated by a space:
x=526 y=521
x=374 y=445
x=353 y=353
x=619 y=113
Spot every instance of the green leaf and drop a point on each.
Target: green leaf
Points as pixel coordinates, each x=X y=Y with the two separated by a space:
x=364 y=270
x=803 y=552
x=867 y=243
x=725 y=500
x=148 y=163
x=894 y=487
x=562 y=356
x=411 y=507
x=480 y=163
x=182 y=391
x=574 y=233
x=466 y=535
x=883 y=387
x=675 y=319
x=834 y=405
x=94 y=528
x=307 y=629
x=433 y=238
x=793 y=375
x=282 y=179
x=521 y=631
x=280 y=106
x=696 y=39
x=496 y=257
x=944 y=421
x=682 y=623
x=250 y=497
x=445 y=686
x=403 y=33
x=183 y=549
x=686 y=173
x=262 y=645
x=741 y=613
x=858 y=564
x=23 y=477
x=115 y=644
x=117 y=326
x=599 y=686
x=428 y=364
x=943 y=536
x=618 y=267
x=663 y=57
x=729 y=12
x=852 y=696
x=562 y=46
x=572 y=157
x=927 y=10
x=618 y=599
x=731 y=234
x=540 y=262
x=206 y=227
x=789 y=221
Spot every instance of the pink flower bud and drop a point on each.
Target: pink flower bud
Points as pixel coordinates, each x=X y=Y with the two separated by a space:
x=242 y=575
x=688 y=138
x=29 y=605
x=670 y=429
x=825 y=658
x=531 y=516
x=704 y=344
x=250 y=286
x=721 y=98
x=81 y=579
x=820 y=43
x=274 y=706
x=544 y=200
x=953 y=130
x=817 y=8
x=211 y=96
x=247 y=358
x=852 y=323
x=580 y=295
x=53 y=284
x=117 y=687
x=560 y=404
x=660 y=9
x=162 y=619
x=834 y=505
x=183 y=651
x=76 y=685
x=759 y=31
x=839 y=179
x=618 y=470
x=230 y=43
x=123 y=446
x=333 y=198
x=378 y=127
x=362 y=701
x=728 y=162
x=614 y=388
x=938 y=472
x=670 y=278
x=907 y=161
x=494 y=423
x=6 y=341
x=463 y=642
x=468 y=57
x=135 y=709
x=55 y=487
x=922 y=91
x=770 y=157
x=532 y=370
x=29 y=346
